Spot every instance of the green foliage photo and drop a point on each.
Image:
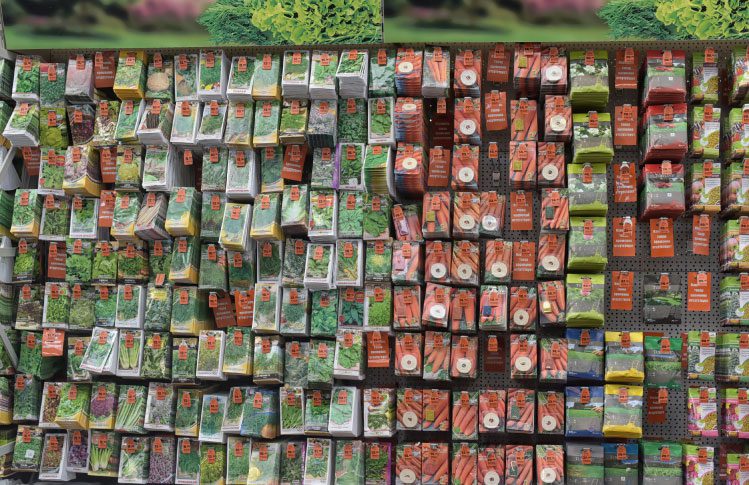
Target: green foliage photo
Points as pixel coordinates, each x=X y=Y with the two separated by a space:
x=293 y=22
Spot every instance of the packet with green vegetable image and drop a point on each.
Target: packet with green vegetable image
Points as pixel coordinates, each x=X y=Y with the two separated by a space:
x=663 y=358
x=292 y=410
x=661 y=463
x=624 y=357
x=268 y=360
x=585 y=300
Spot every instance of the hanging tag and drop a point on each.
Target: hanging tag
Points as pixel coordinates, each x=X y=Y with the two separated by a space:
x=662 y=238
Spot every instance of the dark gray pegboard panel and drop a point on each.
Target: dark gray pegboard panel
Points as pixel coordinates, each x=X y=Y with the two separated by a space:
x=676 y=427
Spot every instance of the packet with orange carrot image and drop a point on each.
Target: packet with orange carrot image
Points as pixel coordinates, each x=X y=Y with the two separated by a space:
x=553 y=360
x=526 y=77
x=552 y=252
x=555 y=210
x=436 y=310
x=492 y=214
x=407 y=265
x=436 y=404
x=435 y=221
x=522 y=166
x=409 y=409
x=464 y=268
x=436 y=356
x=466 y=213
x=497 y=261
x=521 y=405
x=434 y=464
x=438 y=261
x=467 y=75
x=524 y=119
x=467 y=121
x=465 y=169
x=550 y=465
x=463 y=310
x=465 y=415
x=523 y=356
x=464 y=357
x=435 y=82
x=492 y=411
x=551 y=165
x=523 y=313
x=551 y=303
x=491 y=462
x=408 y=70
x=465 y=464
x=409 y=171
x=408 y=464
x=407 y=307
x=406 y=222
x=408 y=358
x=518 y=465
x=551 y=412
x=493 y=308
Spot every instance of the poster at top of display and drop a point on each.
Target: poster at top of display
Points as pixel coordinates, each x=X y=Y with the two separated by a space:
x=61 y=24
x=561 y=20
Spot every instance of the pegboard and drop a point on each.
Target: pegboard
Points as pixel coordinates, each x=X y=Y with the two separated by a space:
x=493 y=176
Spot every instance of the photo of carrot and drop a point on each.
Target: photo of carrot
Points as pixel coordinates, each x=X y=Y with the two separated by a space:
x=409 y=410
x=407 y=307
x=465 y=464
x=436 y=77
x=522 y=166
x=552 y=170
x=436 y=356
x=436 y=404
x=492 y=214
x=463 y=310
x=439 y=255
x=526 y=76
x=464 y=358
x=466 y=214
x=497 y=261
x=553 y=360
x=557 y=119
x=408 y=463
x=523 y=314
x=409 y=170
x=436 y=215
x=436 y=312
x=491 y=464
x=551 y=303
x=408 y=70
x=550 y=412
x=521 y=411
x=492 y=411
x=465 y=415
x=550 y=464
x=523 y=356
x=467 y=76
x=408 y=354
x=409 y=121
x=518 y=465
x=465 y=169
x=552 y=254
x=555 y=210
x=493 y=308
x=407 y=264
x=467 y=121
x=554 y=70
x=464 y=269
x=524 y=119
x=435 y=458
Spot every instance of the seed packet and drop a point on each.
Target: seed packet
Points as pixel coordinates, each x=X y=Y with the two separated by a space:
x=665 y=77
x=213 y=73
x=379 y=413
x=26 y=79
x=585 y=354
x=187 y=415
x=624 y=357
x=318 y=462
x=351 y=307
x=239 y=87
x=188 y=461
x=587 y=189
x=130 y=78
x=266 y=78
x=295 y=74
x=160 y=78
x=52 y=84
x=665 y=135
x=381 y=122
x=584 y=411
x=521 y=404
x=705 y=132
x=585 y=300
x=382 y=73
x=702 y=407
x=705 y=81
x=662 y=462
x=663 y=362
x=352 y=121
x=701 y=355
x=22 y=129
x=663 y=193
x=585 y=464
x=587 y=247
x=589 y=80
x=128 y=121
x=267 y=360
x=592 y=140
x=622 y=411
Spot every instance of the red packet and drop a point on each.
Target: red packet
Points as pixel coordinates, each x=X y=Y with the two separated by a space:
x=527 y=69
x=439 y=167
x=698 y=291
x=625 y=183
x=498 y=65
x=464 y=357
x=557 y=118
x=293 y=162
x=465 y=169
x=522 y=166
x=521 y=211
x=524 y=119
x=495 y=110
x=624 y=243
x=467 y=124
x=551 y=165
x=661 y=238
x=625 y=76
x=438 y=262
x=622 y=287
x=552 y=305
x=378 y=350
x=701 y=235
x=523 y=308
x=464 y=269
x=523 y=260
x=555 y=210
x=625 y=126
x=463 y=310
x=552 y=249
x=492 y=214
x=497 y=261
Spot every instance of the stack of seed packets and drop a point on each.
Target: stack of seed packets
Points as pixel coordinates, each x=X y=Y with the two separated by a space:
x=353 y=73
x=295 y=74
x=323 y=74
x=319 y=267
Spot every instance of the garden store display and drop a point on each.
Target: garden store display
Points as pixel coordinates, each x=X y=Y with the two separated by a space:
x=267 y=266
